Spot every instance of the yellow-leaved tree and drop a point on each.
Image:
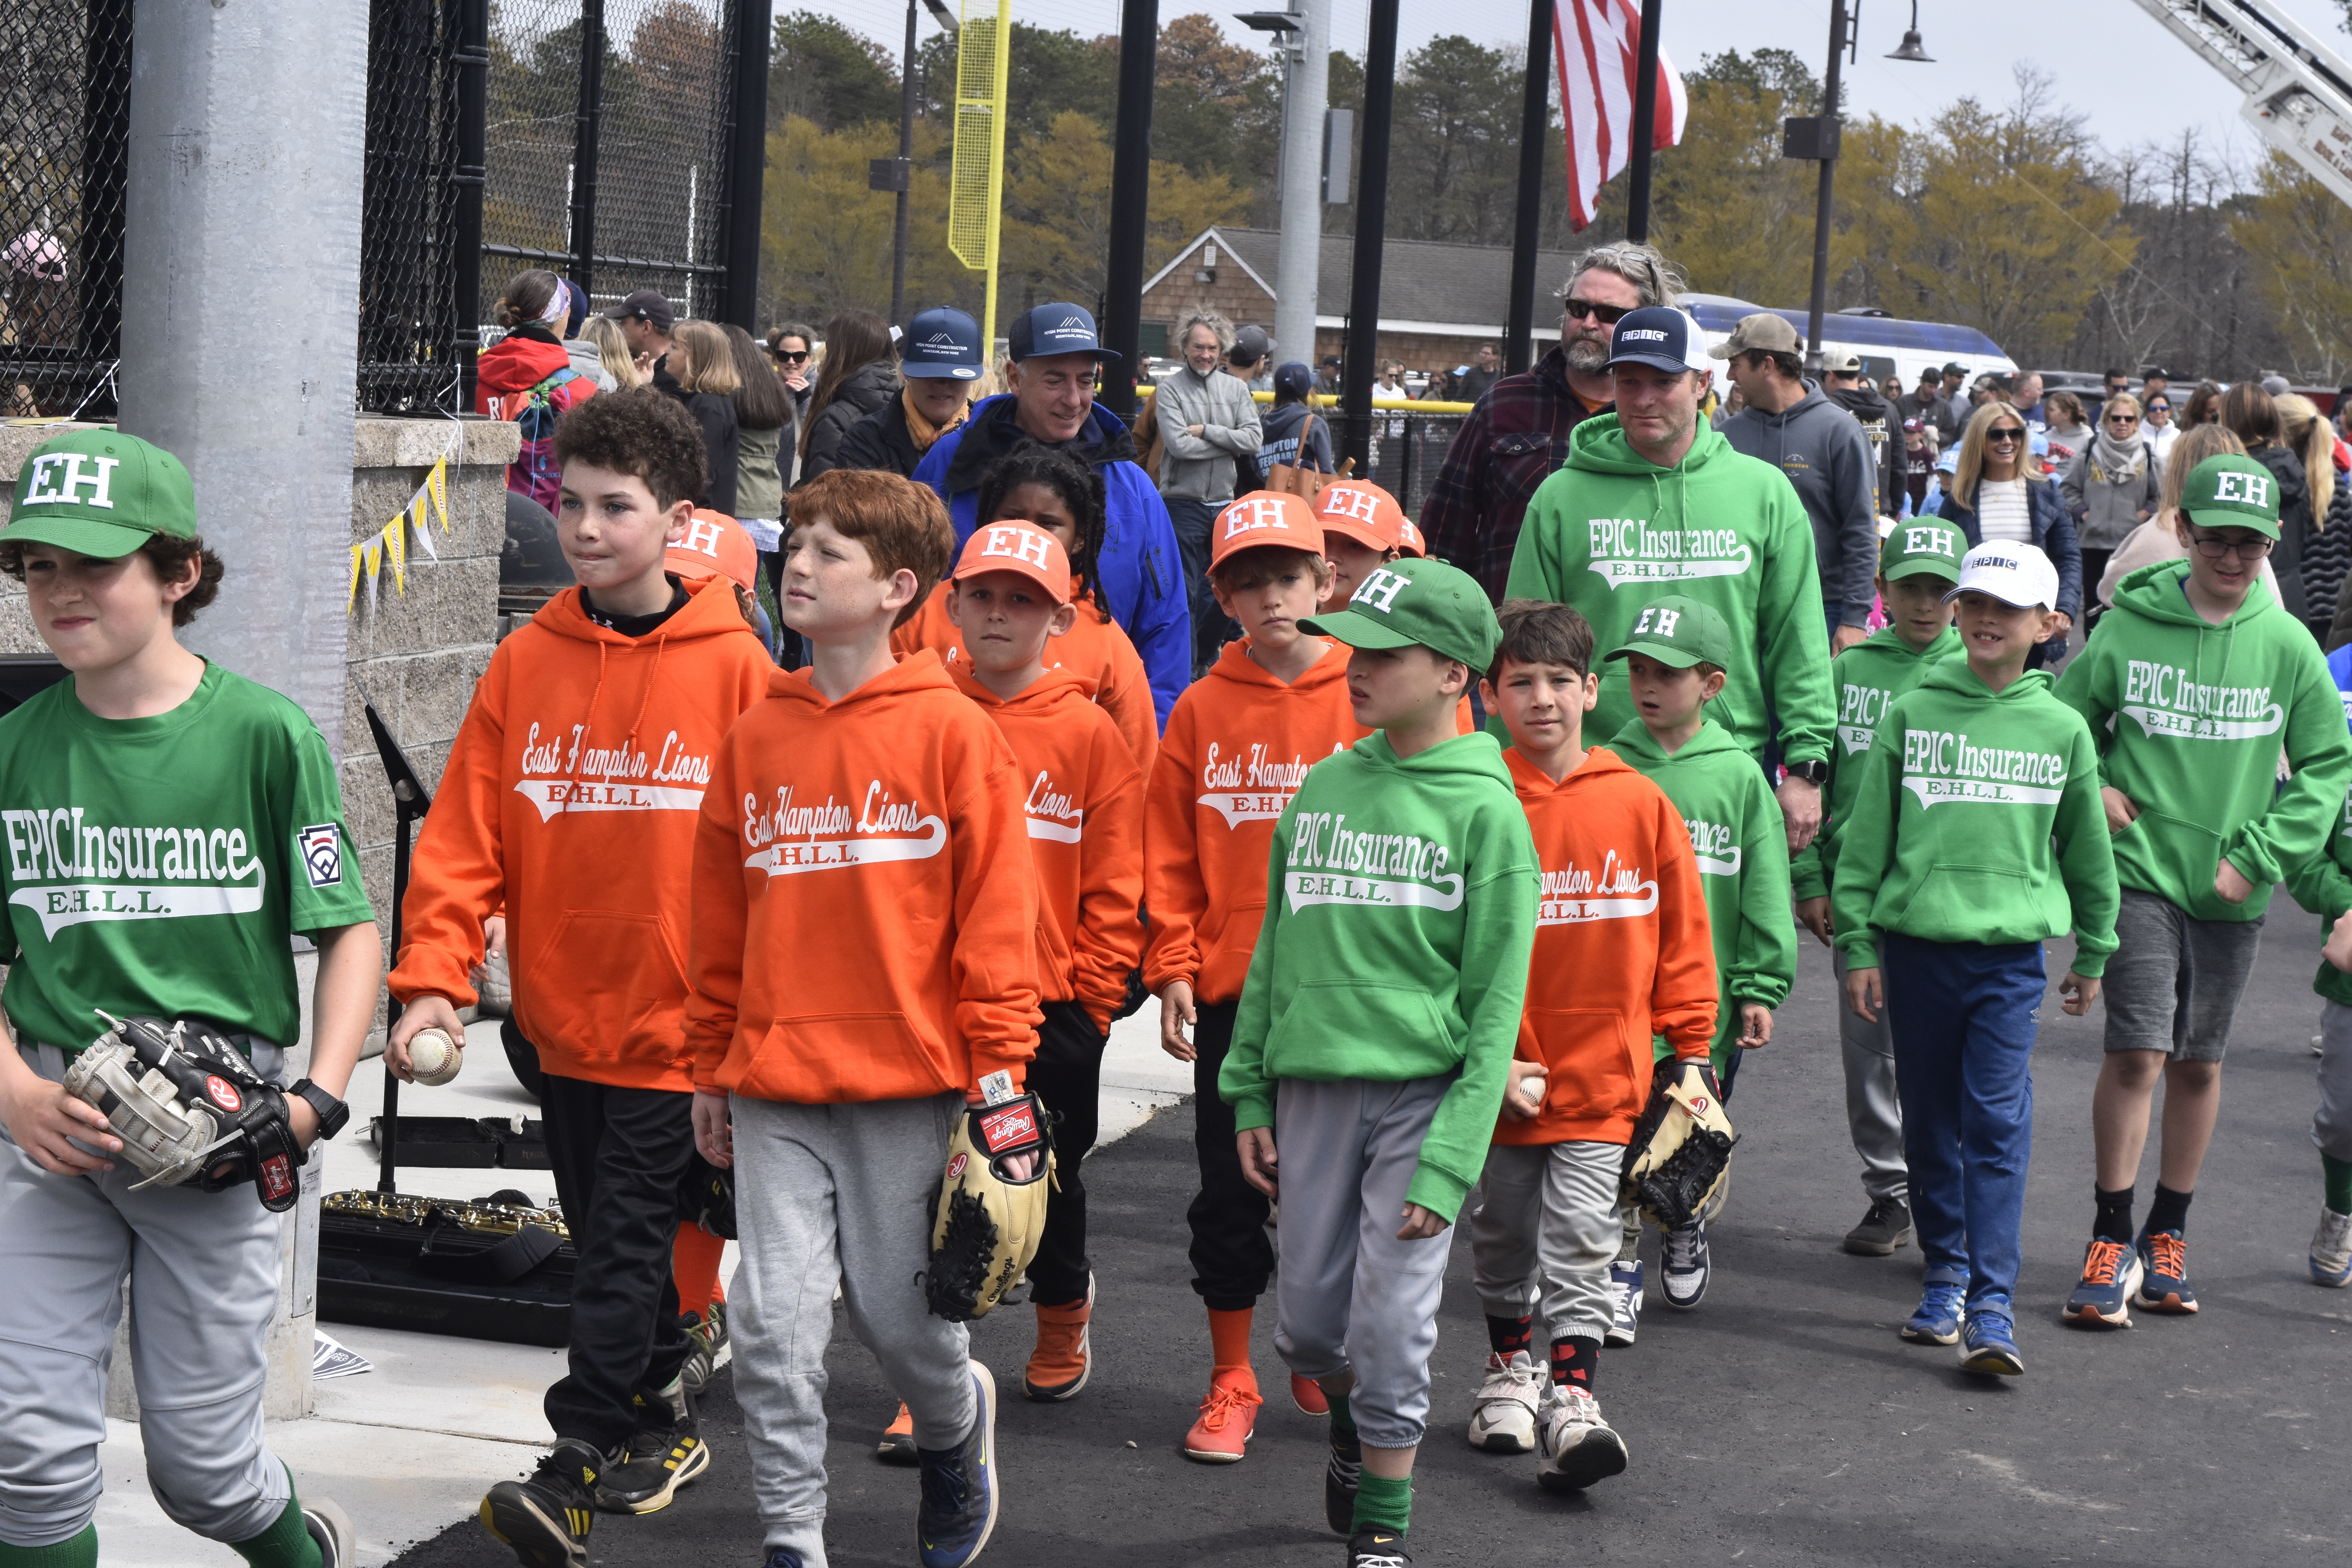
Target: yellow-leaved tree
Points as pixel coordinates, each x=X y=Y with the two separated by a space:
x=825 y=239
x=1056 y=235
x=2293 y=228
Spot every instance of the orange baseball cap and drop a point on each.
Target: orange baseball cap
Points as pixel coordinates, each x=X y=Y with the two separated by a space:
x=716 y=545
x=1263 y=518
x=1409 y=539
x=1363 y=513
x=1022 y=547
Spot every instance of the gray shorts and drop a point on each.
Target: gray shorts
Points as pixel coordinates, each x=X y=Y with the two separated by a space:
x=2173 y=982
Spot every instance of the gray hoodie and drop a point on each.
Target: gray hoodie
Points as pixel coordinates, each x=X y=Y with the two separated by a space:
x=1201 y=467
x=1821 y=449
x=588 y=360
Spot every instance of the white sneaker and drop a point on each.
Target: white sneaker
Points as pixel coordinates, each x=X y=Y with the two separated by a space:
x=1576 y=1446
x=2331 y=1248
x=1683 y=1267
x=1505 y=1419
x=1624 y=1304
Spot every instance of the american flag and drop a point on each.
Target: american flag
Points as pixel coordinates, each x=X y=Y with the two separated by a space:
x=1598 y=43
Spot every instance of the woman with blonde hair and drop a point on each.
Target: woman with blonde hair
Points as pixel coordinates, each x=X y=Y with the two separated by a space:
x=2327 y=554
x=1991 y=497
x=2112 y=485
x=2164 y=537
x=613 y=351
x=702 y=362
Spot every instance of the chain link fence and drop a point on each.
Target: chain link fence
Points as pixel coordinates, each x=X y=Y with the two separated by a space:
x=409 y=326
x=1406 y=449
x=65 y=130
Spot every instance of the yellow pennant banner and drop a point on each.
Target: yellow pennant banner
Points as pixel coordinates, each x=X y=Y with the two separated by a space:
x=389 y=544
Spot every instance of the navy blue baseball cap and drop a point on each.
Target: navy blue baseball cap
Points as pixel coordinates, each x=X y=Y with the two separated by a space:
x=941 y=343
x=1293 y=379
x=1658 y=336
x=1055 y=328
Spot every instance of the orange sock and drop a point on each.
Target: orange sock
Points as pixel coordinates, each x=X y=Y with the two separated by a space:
x=1229 y=1338
x=694 y=1265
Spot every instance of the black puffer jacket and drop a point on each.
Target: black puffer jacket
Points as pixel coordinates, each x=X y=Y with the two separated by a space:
x=2296 y=530
x=2326 y=561
x=869 y=388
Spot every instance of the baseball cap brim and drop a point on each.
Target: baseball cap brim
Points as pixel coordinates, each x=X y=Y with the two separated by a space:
x=938 y=372
x=2211 y=517
x=84 y=536
x=1665 y=653
x=1351 y=528
x=1949 y=571
x=1356 y=630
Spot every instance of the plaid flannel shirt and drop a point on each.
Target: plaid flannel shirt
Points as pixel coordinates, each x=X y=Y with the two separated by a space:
x=1503 y=452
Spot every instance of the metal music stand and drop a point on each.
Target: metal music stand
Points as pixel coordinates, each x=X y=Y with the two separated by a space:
x=411 y=802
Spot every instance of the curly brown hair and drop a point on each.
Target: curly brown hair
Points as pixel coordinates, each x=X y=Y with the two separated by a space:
x=640 y=432
x=168 y=556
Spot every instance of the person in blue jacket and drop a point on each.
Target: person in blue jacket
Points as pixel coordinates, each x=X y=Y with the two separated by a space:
x=1055 y=352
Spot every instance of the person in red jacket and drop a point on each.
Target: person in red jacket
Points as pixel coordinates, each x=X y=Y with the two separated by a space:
x=570 y=798
x=864 y=957
x=527 y=377
x=1623 y=954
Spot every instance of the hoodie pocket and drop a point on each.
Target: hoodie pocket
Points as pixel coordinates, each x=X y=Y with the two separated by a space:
x=1595 y=1076
x=833 y=1058
x=2178 y=857
x=620 y=979
x=1960 y=903
x=1355 y=1028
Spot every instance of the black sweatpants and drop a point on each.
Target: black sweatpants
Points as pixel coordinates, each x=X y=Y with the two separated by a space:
x=619 y=1154
x=1067 y=1074
x=1232 y=1259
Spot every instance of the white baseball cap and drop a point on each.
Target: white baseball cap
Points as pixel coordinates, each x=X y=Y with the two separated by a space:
x=2017 y=574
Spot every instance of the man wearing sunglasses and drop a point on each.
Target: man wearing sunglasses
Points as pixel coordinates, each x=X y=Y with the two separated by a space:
x=1519 y=434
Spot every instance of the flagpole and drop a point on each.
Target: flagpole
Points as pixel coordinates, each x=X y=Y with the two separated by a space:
x=1535 y=130
x=1645 y=119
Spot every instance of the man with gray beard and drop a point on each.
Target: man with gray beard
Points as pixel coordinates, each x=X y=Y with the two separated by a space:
x=1519 y=434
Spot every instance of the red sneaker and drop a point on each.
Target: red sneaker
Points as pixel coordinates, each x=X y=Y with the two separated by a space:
x=898 y=1445
x=1064 y=1356
x=1227 y=1418
x=1307 y=1394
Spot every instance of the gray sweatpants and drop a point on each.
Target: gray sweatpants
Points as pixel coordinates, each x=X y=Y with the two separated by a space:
x=1873 y=1113
x=1348 y=1295
x=827 y=1195
x=203 y=1271
x=1547 y=1233
x=2331 y=1124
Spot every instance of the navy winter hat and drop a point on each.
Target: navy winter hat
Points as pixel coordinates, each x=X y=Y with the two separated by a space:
x=1056 y=329
x=941 y=343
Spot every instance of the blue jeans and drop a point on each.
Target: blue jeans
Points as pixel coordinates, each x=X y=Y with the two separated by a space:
x=1211 y=629
x=1964 y=1017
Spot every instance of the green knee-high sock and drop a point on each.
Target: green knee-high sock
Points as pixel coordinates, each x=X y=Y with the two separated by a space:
x=81 y=1552
x=287 y=1543
x=1383 y=1504
x=2339 y=1182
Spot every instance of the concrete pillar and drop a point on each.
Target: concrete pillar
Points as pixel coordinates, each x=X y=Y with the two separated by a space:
x=241 y=334
x=1300 y=254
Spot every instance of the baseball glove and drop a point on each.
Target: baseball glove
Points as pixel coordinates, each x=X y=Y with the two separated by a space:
x=1681 y=1149
x=189 y=1107
x=986 y=1227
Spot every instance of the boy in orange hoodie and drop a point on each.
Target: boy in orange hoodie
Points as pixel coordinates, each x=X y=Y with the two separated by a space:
x=1622 y=952
x=863 y=956
x=1238 y=742
x=570 y=798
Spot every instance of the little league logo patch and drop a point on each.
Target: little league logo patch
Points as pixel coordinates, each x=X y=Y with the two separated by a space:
x=322 y=849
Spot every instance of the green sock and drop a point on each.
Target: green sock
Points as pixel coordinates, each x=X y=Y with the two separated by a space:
x=1340 y=1420
x=81 y=1552
x=2339 y=1182
x=287 y=1543
x=1382 y=1504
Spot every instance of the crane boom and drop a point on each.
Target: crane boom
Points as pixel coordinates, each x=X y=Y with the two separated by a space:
x=2298 y=91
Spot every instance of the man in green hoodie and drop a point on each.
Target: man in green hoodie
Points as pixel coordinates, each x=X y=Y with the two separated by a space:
x=1975 y=837
x=1653 y=500
x=1919 y=563
x=2193 y=682
x=1377 y=1025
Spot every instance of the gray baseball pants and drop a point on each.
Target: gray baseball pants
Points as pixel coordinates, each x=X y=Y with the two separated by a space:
x=827 y=1195
x=1874 y=1112
x=1348 y=1295
x=203 y=1270
x=1546 y=1234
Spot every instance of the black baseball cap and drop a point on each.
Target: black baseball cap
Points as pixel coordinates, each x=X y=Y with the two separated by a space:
x=1658 y=336
x=1293 y=379
x=1956 y=368
x=1250 y=346
x=650 y=306
x=1059 y=328
x=941 y=343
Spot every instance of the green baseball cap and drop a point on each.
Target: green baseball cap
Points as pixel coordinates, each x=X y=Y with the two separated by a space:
x=2232 y=491
x=1411 y=602
x=1924 y=545
x=100 y=493
x=1678 y=632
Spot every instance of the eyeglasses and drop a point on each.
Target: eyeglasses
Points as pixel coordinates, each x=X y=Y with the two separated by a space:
x=2213 y=546
x=788 y=356
x=2007 y=436
x=1578 y=309
x=2123 y=418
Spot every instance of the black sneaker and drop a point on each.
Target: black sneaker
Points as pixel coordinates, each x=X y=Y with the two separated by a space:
x=1887 y=1227
x=1372 y=1547
x=546 y=1517
x=1339 y=1479
x=711 y=1347
x=664 y=1453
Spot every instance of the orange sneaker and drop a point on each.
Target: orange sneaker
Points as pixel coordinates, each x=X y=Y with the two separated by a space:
x=898 y=1445
x=1064 y=1356
x=1307 y=1394
x=1228 y=1416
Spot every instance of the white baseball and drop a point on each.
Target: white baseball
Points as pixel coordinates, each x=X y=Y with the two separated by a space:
x=435 y=1058
x=1531 y=1088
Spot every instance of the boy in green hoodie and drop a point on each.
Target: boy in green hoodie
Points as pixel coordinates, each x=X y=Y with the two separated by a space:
x=1675 y=658
x=1919 y=563
x=1976 y=779
x=2193 y=682
x=1377 y=1025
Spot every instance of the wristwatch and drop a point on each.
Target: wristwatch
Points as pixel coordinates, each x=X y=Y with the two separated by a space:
x=1816 y=772
x=333 y=1112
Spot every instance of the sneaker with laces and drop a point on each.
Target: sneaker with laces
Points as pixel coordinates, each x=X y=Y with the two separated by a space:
x=545 y=1516
x=958 y=1511
x=711 y=1347
x=1372 y=1547
x=1221 y=1434
x=898 y=1444
x=1989 y=1343
x=1307 y=1394
x=2164 y=1273
x=1064 y=1357
x=2102 y=1298
x=1503 y=1421
x=1887 y=1227
x=332 y=1529
x=1625 y=1304
x=1942 y=1309
x=1341 y=1478
x=2331 y=1248
x=662 y=1454
x=1576 y=1446
x=1683 y=1264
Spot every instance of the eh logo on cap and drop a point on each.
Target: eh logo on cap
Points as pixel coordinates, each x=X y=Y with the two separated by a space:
x=48 y=485
x=2230 y=484
x=1657 y=621
x=1379 y=587
x=1248 y=516
x=1927 y=541
x=1017 y=545
x=702 y=537
x=1341 y=501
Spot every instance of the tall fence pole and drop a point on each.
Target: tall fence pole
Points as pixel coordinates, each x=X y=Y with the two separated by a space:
x=1131 y=196
x=1645 y=121
x=1372 y=218
x=746 y=166
x=586 y=128
x=472 y=58
x=1535 y=132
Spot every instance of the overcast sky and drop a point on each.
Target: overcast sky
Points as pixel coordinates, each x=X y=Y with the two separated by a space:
x=2109 y=60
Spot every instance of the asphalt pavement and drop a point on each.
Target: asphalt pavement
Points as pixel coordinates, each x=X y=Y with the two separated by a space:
x=1781 y=1421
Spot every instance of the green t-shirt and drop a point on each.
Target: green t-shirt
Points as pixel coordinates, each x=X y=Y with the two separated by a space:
x=160 y=866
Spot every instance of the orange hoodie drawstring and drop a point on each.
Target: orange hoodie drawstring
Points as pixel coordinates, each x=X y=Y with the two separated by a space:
x=588 y=725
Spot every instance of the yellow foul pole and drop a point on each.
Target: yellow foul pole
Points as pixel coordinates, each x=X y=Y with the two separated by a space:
x=976 y=176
